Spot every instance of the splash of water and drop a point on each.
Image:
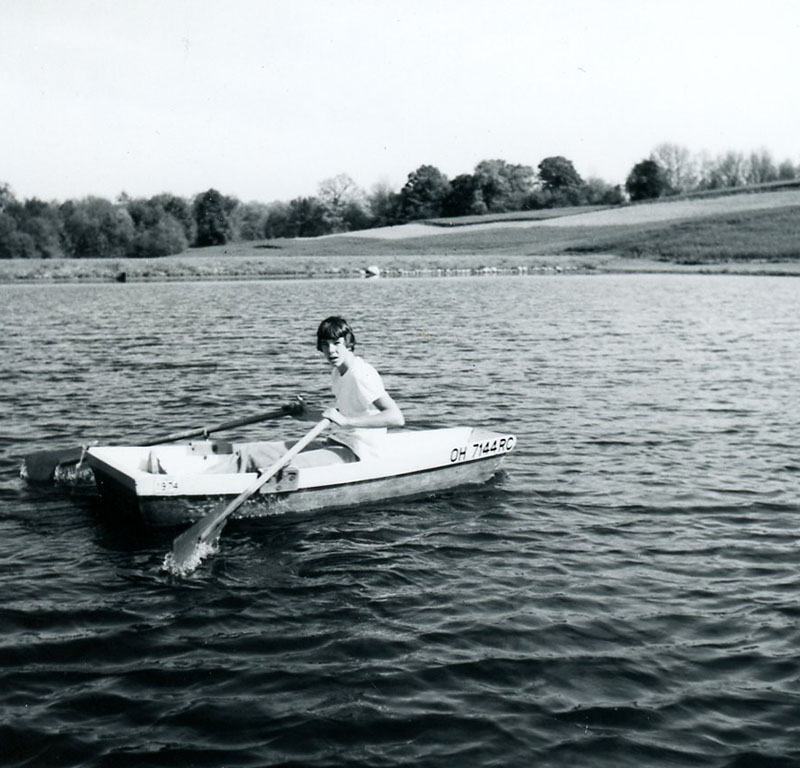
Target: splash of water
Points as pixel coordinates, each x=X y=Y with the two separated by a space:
x=74 y=476
x=200 y=552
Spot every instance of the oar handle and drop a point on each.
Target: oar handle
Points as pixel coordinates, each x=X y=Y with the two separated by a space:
x=294 y=408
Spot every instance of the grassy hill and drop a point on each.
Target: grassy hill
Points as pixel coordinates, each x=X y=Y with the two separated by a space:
x=766 y=235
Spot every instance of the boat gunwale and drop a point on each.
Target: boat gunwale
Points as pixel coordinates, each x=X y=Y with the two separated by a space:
x=134 y=481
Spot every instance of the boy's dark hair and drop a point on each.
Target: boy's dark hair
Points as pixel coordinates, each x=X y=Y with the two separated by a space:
x=334 y=328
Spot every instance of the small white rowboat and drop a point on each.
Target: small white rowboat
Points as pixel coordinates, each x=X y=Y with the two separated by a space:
x=171 y=485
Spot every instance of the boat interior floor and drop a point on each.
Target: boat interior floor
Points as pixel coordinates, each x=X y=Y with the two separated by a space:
x=244 y=457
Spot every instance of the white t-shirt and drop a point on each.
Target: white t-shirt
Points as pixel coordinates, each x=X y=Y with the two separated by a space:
x=355 y=393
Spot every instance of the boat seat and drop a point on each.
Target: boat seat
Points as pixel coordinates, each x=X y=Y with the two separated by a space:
x=152 y=465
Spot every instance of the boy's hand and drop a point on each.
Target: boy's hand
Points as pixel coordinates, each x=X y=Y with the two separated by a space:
x=295 y=407
x=335 y=416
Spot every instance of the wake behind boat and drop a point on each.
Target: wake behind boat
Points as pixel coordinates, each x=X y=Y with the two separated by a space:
x=170 y=485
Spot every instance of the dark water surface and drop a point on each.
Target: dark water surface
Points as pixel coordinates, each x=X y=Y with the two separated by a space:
x=626 y=593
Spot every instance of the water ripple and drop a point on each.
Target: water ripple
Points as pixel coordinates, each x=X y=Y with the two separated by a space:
x=625 y=593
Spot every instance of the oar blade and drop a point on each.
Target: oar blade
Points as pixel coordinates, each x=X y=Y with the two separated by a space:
x=41 y=466
x=191 y=546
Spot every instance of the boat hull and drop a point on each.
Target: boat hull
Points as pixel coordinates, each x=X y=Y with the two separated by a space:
x=173 y=511
x=442 y=460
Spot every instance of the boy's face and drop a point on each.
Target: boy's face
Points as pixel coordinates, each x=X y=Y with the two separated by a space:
x=337 y=353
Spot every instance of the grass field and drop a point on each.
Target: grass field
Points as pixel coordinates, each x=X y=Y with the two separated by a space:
x=741 y=233
x=766 y=235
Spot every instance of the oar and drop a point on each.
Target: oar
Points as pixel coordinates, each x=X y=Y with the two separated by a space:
x=40 y=467
x=185 y=548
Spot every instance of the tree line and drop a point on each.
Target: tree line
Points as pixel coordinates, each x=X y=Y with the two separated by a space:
x=673 y=170
x=166 y=224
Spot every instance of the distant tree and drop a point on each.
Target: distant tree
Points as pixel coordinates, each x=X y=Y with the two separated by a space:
x=558 y=173
x=276 y=223
x=557 y=198
x=733 y=168
x=728 y=170
x=42 y=222
x=345 y=203
x=158 y=230
x=29 y=230
x=707 y=177
x=384 y=205
x=14 y=244
x=357 y=216
x=248 y=221
x=423 y=193
x=465 y=197
x=646 y=180
x=6 y=196
x=539 y=199
x=306 y=218
x=679 y=168
x=599 y=192
x=212 y=212
x=96 y=228
x=503 y=186
x=164 y=237
x=137 y=209
x=760 y=168
x=787 y=171
x=181 y=210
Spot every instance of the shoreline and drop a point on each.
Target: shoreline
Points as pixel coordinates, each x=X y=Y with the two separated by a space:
x=175 y=269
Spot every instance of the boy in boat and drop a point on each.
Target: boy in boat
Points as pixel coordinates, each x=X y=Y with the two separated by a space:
x=362 y=411
x=363 y=408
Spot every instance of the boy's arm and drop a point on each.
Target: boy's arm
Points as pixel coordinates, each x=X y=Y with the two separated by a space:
x=389 y=415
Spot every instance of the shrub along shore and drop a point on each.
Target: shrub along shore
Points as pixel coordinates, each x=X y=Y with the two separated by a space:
x=759 y=234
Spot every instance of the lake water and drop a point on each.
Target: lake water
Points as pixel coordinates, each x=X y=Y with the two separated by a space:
x=625 y=593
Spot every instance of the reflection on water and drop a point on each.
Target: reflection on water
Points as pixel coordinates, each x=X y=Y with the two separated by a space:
x=625 y=593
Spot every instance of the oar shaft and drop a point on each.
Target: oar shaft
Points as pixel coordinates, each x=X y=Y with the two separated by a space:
x=221 y=427
x=265 y=476
x=209 y=527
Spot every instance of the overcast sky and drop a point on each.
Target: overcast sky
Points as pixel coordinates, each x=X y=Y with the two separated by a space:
x=263 y=100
